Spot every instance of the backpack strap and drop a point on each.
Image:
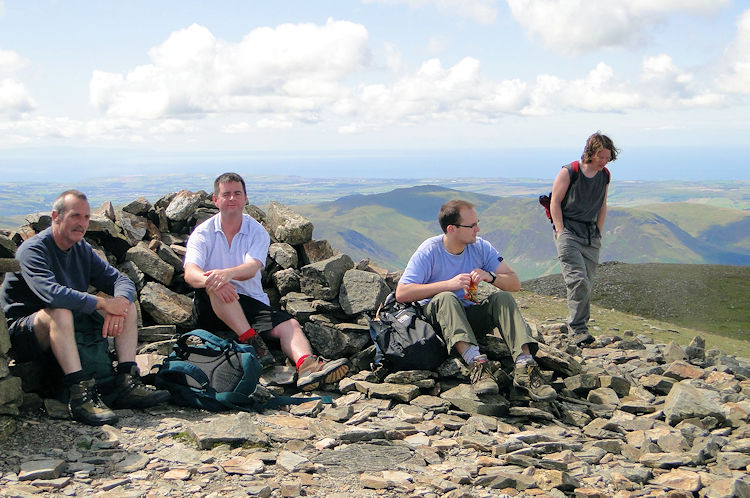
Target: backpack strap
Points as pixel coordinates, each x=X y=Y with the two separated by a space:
x=192 y=371
x=236 y=401
x=212 y=345
x=205 y=336
x=575 y=168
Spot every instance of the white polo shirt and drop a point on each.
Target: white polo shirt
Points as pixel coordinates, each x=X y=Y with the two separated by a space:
x=208 y=248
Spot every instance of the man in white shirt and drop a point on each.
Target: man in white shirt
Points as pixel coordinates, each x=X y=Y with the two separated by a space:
x=224 y=258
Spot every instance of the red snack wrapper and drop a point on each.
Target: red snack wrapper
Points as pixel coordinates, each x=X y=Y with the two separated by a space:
x=471 y=293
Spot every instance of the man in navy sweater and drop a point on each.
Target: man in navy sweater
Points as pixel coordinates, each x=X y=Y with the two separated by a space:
x=47 y=303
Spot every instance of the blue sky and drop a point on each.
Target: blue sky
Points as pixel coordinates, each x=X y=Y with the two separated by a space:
x=100 y=87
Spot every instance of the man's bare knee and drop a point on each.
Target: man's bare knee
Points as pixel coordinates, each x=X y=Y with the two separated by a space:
x=48 y=319
x=60 y=318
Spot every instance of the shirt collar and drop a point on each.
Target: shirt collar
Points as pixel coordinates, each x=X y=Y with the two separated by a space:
x=244 y=227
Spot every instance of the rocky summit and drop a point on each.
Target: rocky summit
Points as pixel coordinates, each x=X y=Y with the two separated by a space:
x=632 y=418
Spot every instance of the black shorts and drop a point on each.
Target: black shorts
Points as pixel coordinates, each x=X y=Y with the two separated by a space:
x=259 y=315
x=24 y=346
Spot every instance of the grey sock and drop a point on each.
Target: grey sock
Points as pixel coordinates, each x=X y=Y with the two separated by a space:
x=525 y=359
x=470 y=354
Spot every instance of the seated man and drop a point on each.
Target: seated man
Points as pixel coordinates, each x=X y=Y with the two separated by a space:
x=46 y=305
x=443 y=274
x=223 y=262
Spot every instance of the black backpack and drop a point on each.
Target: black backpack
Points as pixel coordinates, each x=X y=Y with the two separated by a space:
x=406 y=339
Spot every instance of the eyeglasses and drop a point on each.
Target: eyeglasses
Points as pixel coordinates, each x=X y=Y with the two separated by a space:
x=473 y=225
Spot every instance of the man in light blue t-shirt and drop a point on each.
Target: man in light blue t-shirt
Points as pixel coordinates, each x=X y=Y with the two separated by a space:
x=443 y=274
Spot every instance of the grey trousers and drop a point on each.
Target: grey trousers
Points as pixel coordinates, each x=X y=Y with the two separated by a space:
x=578 y=262
x=460 y=323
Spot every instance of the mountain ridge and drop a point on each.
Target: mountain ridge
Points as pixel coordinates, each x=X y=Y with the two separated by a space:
x=399 y=220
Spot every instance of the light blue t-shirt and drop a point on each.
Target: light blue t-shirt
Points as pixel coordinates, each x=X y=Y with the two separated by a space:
x=433 y=263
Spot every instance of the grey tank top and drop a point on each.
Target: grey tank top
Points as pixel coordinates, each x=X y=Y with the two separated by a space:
x=582 y=203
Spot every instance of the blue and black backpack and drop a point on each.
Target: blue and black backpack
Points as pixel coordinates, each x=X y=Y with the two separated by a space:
x=208 y=372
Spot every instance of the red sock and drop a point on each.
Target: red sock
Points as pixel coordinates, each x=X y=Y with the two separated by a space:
x=249 y=334
x=301 y=360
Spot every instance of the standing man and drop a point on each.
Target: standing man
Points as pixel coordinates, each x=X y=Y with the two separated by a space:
x=444 y=272
x=223 y=262
x=578 y=207
x=47 y=304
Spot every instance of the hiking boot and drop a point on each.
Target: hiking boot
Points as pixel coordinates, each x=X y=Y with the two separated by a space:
x=482 y=378
x=527 y=377
x=380 y=372
x=583 y=339
x=316 y=370
x=265 y=357
x=86 y=406
x=133 y=393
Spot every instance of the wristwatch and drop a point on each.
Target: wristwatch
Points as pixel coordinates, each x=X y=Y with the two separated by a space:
x=493 y=275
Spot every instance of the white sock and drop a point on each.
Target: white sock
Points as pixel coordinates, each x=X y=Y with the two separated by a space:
x=471 y=353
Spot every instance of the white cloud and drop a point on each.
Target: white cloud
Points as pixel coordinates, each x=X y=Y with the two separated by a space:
x=599 y=91
x=458 y=93
x=278 y=78
x=393 y=58
x=11 y=62
x=237 y=128
x=736 y=77
x=437 y=44
x=670 y=87
x=462 y=94
x=581 y=25
x=292 y=68
x=275 y=124
x=42 y=127
x=15 y=99
x=481 y=11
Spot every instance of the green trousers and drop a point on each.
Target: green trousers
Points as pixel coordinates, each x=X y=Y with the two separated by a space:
x=578 y=263
x=460 y=323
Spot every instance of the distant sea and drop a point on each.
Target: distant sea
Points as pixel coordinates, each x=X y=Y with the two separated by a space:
x=635 y=163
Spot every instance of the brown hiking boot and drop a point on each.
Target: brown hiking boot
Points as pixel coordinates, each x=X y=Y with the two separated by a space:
x=265 y=357
x=379 y=372
x=316 y=370
x=527 y=377
x=133 y=393
x=482 y=377
x=86 y=406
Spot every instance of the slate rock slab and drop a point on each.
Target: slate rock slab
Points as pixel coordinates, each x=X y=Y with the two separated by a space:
x=363 y=457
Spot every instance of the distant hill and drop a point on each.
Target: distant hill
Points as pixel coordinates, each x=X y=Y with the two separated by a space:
x=21 y=198
x=712 y=298
x=388 y=227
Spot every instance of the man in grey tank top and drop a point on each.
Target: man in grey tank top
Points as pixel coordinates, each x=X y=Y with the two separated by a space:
x=579 y=207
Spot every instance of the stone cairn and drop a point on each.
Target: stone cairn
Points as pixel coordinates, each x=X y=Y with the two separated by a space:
x=632 y=418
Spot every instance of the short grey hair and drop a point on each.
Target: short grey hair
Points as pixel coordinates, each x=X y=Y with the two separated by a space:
x=59 y=206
